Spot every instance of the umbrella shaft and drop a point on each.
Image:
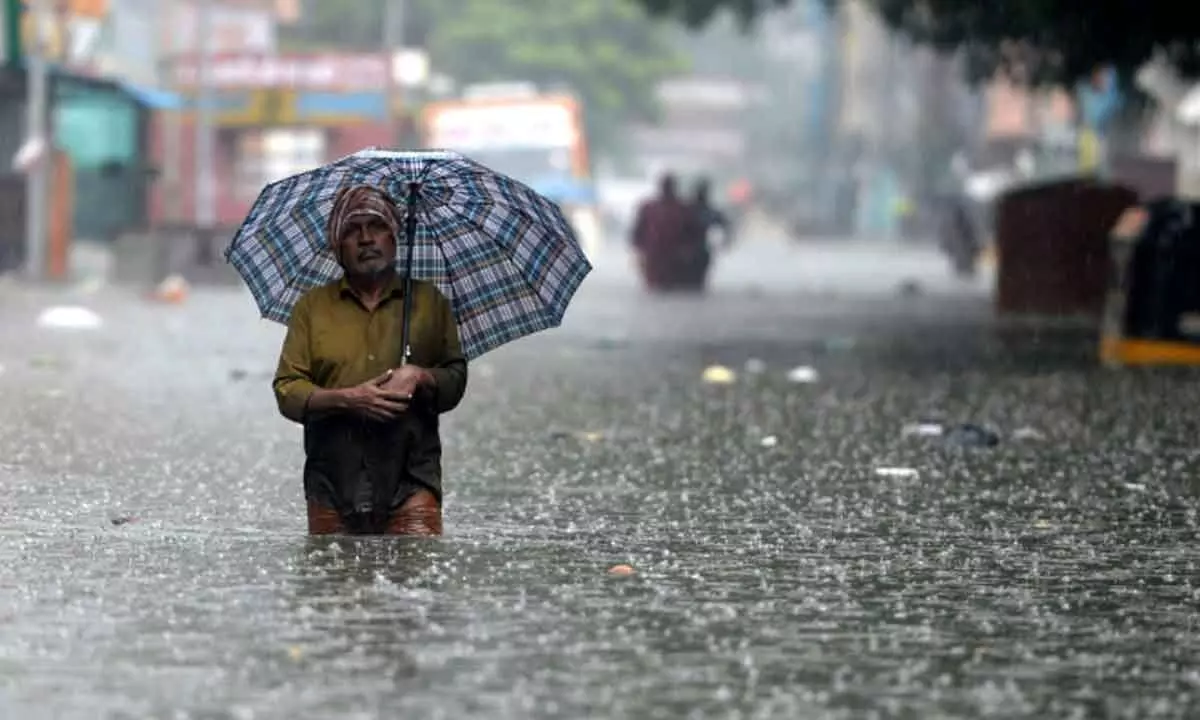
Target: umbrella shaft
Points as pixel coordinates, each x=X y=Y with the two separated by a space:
x=410 y=236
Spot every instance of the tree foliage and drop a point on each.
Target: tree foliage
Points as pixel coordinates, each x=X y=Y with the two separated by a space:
x=1035 y=41
x=608 y=51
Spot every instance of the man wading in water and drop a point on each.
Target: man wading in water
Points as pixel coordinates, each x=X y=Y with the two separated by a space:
x=371 y=438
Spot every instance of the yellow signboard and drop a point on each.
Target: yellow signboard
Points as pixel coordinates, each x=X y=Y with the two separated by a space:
x=64 y=19
x=264 y=108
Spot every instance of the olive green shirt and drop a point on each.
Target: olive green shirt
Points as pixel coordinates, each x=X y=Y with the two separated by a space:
x=332 y=342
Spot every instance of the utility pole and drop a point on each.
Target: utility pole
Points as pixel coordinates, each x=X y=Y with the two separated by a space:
x=169 y=52
x=205 y=219
x=37 y=131
x=393 y=40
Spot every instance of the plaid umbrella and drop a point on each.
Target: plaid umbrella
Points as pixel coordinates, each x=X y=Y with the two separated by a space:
x=504 y=256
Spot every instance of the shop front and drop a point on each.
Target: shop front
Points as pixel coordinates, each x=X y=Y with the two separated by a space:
x=278 y=116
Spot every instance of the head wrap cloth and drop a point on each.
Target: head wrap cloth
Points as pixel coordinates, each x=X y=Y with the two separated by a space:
x=358 y=203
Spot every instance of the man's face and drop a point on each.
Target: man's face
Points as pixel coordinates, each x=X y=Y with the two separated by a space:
x=367 y=246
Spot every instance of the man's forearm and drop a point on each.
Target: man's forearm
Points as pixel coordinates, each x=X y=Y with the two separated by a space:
x=450 y=384
x=324 y=401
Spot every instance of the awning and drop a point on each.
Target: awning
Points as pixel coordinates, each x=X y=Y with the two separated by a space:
x=154 y=98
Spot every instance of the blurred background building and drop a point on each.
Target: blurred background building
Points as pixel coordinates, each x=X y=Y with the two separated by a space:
x=826 y=122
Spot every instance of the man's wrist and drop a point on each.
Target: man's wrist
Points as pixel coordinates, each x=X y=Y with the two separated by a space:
x=425 y=378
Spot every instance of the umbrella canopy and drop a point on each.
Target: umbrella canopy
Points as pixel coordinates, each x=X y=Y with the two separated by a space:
x=504 y=256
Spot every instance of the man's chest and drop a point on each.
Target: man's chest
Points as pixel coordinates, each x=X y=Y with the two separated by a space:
x=350 y=344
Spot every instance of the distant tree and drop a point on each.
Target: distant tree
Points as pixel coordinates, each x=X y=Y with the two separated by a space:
x=352 y=25
x=610 y=52
x=1055 y=42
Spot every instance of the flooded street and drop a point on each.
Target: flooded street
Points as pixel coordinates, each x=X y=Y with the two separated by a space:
x=156 y=562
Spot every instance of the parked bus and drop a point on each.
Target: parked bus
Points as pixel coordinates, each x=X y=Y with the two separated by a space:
x=537 y=138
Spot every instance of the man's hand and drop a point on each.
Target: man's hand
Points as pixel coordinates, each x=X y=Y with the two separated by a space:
x=376 y=399
x=407 y=379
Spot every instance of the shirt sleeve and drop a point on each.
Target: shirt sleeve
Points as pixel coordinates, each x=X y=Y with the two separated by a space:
x=450 y=375
x=293 y=383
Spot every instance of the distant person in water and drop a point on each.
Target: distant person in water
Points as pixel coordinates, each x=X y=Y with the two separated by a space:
x=371 y=438
x=660 y=235
x=959 y=239
x=696 y=260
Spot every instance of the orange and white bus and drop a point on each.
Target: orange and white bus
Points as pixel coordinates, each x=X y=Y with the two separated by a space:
x=537 y=138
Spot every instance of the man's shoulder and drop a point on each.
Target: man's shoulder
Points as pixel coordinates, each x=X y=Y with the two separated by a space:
x=429 y=289
x=326 y=290
x=319 y=295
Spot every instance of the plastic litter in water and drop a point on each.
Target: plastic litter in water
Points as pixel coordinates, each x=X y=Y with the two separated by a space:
x=718 y=375
x=621 y=570
x=924 y=429
x=174 y=289
x=897 y=472
x=69 y=318
x=803 y=374
x=970 y=435
x=1028 y=434
x=769 y=441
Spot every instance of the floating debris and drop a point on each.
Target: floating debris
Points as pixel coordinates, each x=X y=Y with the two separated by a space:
x=803 y=375
x=173 y=290
x=924 y=429
x=69 y=317
x=974 y=436
x=897 y=472
x=591 y=436
x=718 y=375
x=621 y=570
x=1028 y=434
x=769 y=441
x=45 y=362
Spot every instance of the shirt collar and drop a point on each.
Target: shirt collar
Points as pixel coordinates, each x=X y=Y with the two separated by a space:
x=394 y=288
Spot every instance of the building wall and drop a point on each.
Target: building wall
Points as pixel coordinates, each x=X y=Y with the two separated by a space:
x=702 y=126
x=231 y=209
x=142 y=35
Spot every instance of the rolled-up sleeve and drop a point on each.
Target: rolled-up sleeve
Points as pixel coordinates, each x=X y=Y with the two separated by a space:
x=293 y=383
x=450 y=374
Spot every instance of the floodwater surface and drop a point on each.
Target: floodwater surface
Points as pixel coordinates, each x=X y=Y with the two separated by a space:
x=155 y=561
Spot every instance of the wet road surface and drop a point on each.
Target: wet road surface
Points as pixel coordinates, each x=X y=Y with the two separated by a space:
x=777 y=573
